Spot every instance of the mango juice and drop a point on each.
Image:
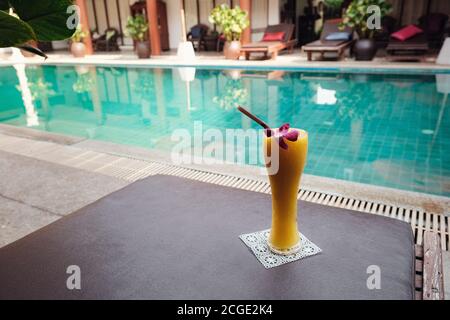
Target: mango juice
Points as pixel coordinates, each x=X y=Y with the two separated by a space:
x=284 y=237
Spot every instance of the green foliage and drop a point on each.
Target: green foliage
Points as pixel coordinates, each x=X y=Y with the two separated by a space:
x=137 y=27
x=234 y=94
x=40 y=89
x=79 y=34
x=334 y=4
x=13 y=31
x=356 y=15
x=232 y=22
x=43 y=20
x=84 y=83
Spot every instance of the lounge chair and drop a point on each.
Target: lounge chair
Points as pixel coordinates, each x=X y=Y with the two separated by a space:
x=197 y=36
x=433 y=26
x=107 y=41
x=323 y=45
x=388 y=26
x=413 y=49
x=272 y=48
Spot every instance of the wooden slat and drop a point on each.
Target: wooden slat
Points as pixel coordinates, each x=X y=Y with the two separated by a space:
x=413 y=223
x=433 y=281
x=435 y=222
x=418 y=281
x=419 y=251
x=419 y=265
x=443 y=232
x=420 y=227
x=427 y=221
x=418 y=295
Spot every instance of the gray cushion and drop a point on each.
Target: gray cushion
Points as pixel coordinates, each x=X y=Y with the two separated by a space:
x=335 y=36
x=172 y=238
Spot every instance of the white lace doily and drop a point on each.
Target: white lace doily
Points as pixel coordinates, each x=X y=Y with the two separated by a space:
x=257 y=242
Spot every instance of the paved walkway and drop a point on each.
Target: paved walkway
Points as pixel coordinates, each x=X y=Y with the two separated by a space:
x=34 y=193
x=213 y=59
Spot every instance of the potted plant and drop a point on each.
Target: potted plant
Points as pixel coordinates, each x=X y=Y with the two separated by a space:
x=137 y=28
x=357 y=16
x=333 y=8
x=232 y=23
x=77 y=47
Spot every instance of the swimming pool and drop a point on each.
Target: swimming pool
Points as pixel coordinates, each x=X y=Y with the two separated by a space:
x=389 y=130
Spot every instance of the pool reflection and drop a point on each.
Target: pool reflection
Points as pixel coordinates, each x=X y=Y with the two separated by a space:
x=389 y=130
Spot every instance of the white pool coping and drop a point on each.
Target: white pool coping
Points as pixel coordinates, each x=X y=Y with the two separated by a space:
x=296 y=61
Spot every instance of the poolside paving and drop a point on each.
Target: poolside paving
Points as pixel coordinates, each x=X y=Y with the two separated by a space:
x=214 y=59
x=18 y=219
x=34 y=193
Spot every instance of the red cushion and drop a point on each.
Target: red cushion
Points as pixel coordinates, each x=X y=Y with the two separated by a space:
x=406 y=33
x=273 y=36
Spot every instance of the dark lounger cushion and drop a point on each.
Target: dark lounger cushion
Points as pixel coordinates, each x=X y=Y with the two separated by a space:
x=172 y=238
x=344 y=36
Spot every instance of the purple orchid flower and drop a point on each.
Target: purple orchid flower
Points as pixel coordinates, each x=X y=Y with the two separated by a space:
x=283 y=133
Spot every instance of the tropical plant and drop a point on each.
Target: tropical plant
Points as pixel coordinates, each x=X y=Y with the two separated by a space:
x=137 y=27
x=357 y=16
x=334 y=4
x=23 y=21
x=84 y=83
x=79 y=34
x=333 y=8
x=232 y=22
x=39 y=89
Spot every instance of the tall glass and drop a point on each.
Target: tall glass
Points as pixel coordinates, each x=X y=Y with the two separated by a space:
x=284 y=181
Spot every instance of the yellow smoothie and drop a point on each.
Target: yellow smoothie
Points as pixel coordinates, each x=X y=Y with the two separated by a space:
x=284 y=237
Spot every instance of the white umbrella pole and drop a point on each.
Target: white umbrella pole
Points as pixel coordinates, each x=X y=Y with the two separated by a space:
x=183 y=24
x=441 y=114
x=185 y=48
x=438 y=126
x=188 y=95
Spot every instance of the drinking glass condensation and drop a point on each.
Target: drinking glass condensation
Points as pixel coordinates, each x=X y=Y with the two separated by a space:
x=284 y=177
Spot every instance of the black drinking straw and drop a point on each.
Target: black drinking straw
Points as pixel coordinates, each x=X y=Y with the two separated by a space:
x=254 y=118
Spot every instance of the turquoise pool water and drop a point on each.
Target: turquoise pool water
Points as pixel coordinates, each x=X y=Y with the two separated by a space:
x=390 y=130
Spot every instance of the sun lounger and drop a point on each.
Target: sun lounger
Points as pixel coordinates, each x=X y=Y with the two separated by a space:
x=323 y=45
x=411 y=49
x=107 y=41
x=434 y=25
x=272 y=48
x=171 y=238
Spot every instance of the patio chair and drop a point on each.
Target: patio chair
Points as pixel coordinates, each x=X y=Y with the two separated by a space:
x=326 y=45
x=107 y=41
x=272 y=47
x=433 y=26
x=413 y=49
x=388 y=26
x=197 y=36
